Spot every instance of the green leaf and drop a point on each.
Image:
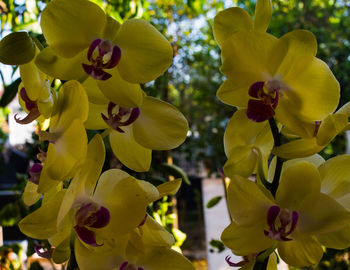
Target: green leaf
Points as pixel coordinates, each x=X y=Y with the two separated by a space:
x=17 y=49
x=175 y=171
x=10 y=92
x=214 y=201
x=217 y=244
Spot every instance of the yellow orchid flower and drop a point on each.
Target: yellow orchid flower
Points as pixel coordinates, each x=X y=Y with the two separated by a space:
x=135 y=132
x=247 y=145
x=273 y=76
x=231 y=20
x=292 y=221
x=323 y=132
x=335 y=182
x=145 y=248
x=92 y=43
x=35 y=94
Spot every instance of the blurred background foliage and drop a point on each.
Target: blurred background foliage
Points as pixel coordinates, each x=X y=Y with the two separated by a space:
x=193 y=79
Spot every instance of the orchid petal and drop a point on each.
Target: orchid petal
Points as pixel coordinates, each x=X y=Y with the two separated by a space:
x=120 y=91
x=128 y=151
x=246 y=201
x=245 y=240
x=70 y=26
x=262 y=16
x=230 y=20
x=160 y=126
x=59 y=67
x=146 y=53
x=305 y=251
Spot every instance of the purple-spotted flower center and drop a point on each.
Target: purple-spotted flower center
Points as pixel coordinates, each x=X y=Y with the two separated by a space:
x=90 y=215
x=31 y=106
x=102 y=54
x=127 y=266
x=282 y=223
x=119 y=116
x=264 y=100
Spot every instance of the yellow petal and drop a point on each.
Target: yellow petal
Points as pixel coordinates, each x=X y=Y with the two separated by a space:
x=331 y=127
x=242 y=160
x=160 y=126
x=121 y=92
x=244 y=240
x=297 y=181
x=114 y=191
x=228 y=21
x=30 y=194
x=153 y=234
x=324 y=97
x=93 y=92
x=41 y=224
x=146 y=53
x=298 y=148
x=84 y=182
x=67 y=152
x=169 y=188
x=95 y=120
x=296 y=43
x=111 y=29
x=291 y=121
x=70 y=26
x=339 y=239
x=166 y=259
x=93 y=164
x=320 y=213
x=242 y=131
x=46 y=183
x=262 y=16
x=305 y=251
x=235 y=92
x=129 y=152
x=71 y=94
x=105 y=257
x=59 y=67
x=335 y=176
x=253 y=51
x=33 y=80
x=247 y=203
x=316 y=160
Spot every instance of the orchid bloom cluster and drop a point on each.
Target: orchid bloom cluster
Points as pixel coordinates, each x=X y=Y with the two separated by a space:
x=284 y=199
x=100 y=218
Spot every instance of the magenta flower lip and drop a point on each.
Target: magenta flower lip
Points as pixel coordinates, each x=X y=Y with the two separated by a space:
x=263 y=106
x=90 y=215
x=31 y=106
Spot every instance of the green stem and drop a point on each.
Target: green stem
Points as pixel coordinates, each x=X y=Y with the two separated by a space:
x=261 y=265
x=279 y=161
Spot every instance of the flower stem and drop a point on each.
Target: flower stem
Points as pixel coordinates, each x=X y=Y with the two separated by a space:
x=261 y=265
x=279 y=161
